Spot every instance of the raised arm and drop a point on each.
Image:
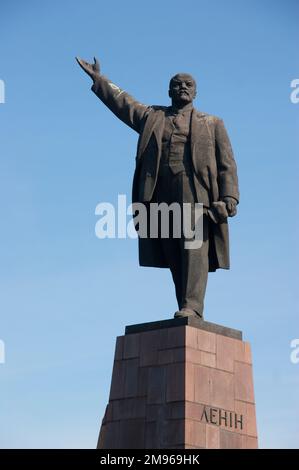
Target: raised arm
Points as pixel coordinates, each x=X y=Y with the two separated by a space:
x=124 y=106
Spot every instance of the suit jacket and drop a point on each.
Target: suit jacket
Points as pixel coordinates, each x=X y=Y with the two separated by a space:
x=212 y=157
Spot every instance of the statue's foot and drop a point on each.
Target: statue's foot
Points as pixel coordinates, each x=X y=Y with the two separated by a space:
x=187 y=312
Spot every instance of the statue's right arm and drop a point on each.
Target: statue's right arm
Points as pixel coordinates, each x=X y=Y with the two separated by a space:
x=124 y=106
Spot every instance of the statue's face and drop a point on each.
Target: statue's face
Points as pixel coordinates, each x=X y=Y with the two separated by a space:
x=182 y=88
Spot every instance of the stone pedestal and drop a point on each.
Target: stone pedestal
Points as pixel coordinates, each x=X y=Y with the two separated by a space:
x=180 y=384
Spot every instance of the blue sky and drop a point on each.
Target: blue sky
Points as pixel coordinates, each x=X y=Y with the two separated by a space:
x=65 y=295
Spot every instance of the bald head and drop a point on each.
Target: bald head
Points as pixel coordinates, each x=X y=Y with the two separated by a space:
x=181 y=77
x=182 y=89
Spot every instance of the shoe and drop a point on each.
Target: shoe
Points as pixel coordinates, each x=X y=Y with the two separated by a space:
x=187 y=312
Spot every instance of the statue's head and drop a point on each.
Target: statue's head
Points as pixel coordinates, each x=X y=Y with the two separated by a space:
x=182 y=88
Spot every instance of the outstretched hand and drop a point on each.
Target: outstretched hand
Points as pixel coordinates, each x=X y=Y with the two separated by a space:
x=93 y=70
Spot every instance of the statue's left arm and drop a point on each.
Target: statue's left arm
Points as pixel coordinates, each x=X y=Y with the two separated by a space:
x=227 y=169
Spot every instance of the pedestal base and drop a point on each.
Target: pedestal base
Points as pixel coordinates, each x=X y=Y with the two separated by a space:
x=181 y=383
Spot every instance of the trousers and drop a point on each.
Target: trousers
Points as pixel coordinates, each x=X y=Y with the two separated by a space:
x=189 y=267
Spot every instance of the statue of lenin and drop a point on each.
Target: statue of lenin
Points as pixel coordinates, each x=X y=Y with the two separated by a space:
x=183 y=156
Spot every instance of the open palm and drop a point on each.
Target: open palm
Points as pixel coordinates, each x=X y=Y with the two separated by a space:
x=91 y=69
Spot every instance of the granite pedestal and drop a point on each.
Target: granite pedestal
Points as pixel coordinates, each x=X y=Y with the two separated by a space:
x=180 y=384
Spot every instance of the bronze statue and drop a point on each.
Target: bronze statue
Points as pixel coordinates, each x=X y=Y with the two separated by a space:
x=183 y=156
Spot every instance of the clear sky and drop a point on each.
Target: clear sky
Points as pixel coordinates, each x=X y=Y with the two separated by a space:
x=65 y=294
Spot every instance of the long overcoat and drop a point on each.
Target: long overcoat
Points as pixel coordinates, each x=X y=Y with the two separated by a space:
x=212 y=157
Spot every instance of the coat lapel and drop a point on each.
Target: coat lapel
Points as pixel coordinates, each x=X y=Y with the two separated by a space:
x=154 y=124
x=199 y=129
x=200 y=137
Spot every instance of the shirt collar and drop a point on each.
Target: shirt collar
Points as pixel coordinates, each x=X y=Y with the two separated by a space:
x=187 y=109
